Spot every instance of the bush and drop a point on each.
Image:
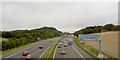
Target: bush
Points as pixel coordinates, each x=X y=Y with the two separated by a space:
x=22 y=37
x=98 y=29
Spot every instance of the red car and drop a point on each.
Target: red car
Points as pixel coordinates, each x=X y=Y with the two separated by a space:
x=25 y=53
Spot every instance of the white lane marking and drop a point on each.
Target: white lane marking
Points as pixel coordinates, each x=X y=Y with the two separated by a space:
x=51 y=50
x=20 y=51
x=55 y=51
x=78 y=52
x=24 y=49
x=43 y=52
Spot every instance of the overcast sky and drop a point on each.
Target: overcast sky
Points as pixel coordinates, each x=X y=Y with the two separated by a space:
x=65 y=16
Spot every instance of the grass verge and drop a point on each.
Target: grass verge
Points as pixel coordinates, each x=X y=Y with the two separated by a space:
x=46 y=55
x=10 y=50
x=52 y=53
x=80 y=45
x=91 y=49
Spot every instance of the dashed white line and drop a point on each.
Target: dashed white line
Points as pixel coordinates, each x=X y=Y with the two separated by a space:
x=78 y=52
x=55 y=52
x=18 y=52
x=23 y=50
x=44 y=52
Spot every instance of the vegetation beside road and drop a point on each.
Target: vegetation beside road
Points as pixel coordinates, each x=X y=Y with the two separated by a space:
x=98 y=29
x=3 y=39
x=10 y=50
x=52 y=53
x=91 y=30
x=81 y=45
x=91 y=49
x=22 y=37
x=46 y=54
x=50 y=56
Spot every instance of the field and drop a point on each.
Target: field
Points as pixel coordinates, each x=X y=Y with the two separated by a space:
x=109 y=43
x=3 y=39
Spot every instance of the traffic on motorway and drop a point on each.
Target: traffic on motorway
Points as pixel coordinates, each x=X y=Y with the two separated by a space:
x=27 y=55
x=64 y=49
x=65 y=42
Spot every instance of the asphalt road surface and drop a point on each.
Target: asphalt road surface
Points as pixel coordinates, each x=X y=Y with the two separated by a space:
x=73 y=52
x=32 y=49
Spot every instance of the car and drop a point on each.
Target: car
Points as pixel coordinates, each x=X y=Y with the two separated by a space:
x=59 y=46
x=28 y=57
x=65 y=44
x=41 y=47
x=25 y=53
x=60 y=43
x=63 y=52
x=70 y=42
x=65 y=41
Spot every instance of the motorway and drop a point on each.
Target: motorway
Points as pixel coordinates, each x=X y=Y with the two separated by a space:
x=32 y=49
x=73 y=52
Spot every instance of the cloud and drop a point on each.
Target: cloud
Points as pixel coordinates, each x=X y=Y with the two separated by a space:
x=60 y=0
x=66 y=16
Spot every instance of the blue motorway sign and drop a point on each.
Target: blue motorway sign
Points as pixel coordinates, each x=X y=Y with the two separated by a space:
x=90 y=37
x=38 y=38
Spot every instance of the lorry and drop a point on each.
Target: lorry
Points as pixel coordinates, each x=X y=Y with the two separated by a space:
x=70 y=42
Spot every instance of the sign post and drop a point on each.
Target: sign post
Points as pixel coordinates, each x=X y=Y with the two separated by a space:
x=81 y=38
x=92 y=37
x=38 y=38
x=100 y=47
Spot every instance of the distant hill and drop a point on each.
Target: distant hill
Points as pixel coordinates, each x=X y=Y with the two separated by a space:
x=0 y=34
x=44 y=32
x=98 y=29
x=21 y=37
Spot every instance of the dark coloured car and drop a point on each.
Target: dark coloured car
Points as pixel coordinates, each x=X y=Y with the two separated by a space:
x=59 y=46
x=41 y=47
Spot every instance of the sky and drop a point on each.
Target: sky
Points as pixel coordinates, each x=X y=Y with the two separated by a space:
x=65 y=16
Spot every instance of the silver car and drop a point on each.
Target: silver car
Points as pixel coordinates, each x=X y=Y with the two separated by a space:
x=65 y=44
x=60 y=43
x=28 y=57
x=63 y=52
x=65 y=41
x=59 y=46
